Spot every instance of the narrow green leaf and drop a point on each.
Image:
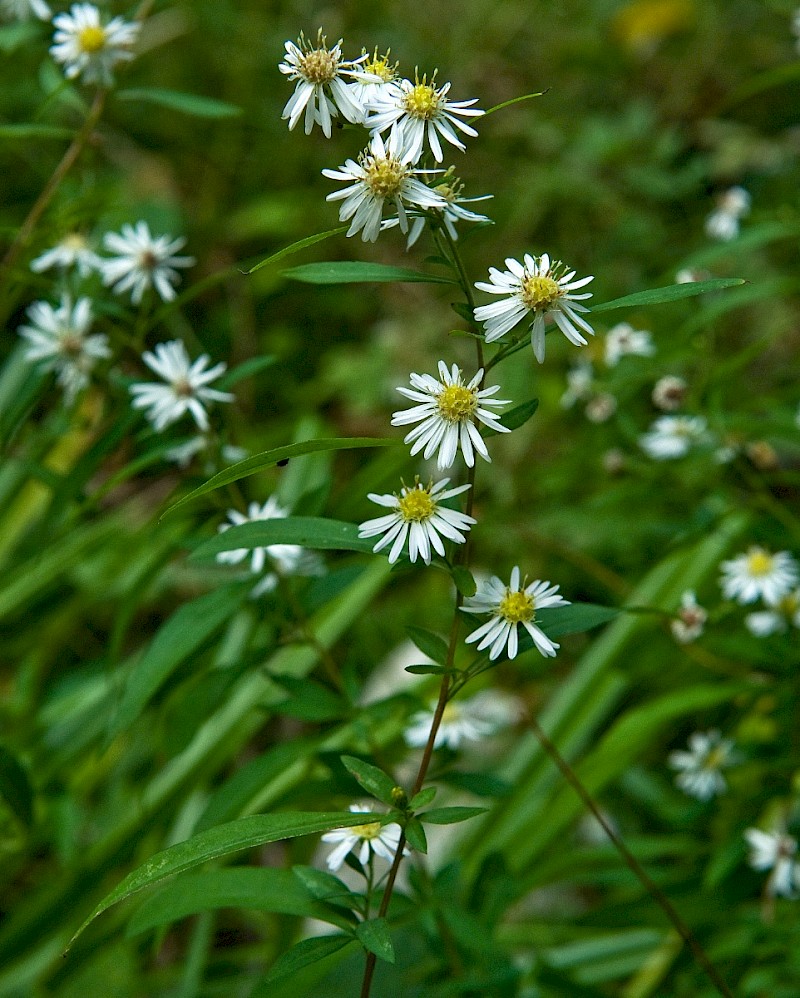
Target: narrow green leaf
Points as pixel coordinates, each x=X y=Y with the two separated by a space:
x=245 y=370
x=33 y=130
x=450 y=815
x=374 y=936
x=245 y=833
x=181 y=636
x=303 y=954
x=574 y=619
x=307 y=531
x=324 y=886
x=295 y=247
x=464 y=311
x=15 y=788
x=175 y=100
x=425 y=670
x=356 y=272
x=514 y=100
x=674 y=292
x=422 y=799
x=372 y=779
x=269 y=458
x=415 y=834
x=515 y=417
x=429 y=644
x=463 y=580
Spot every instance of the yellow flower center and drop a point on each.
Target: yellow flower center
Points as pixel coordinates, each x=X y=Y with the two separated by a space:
x=539 y=292
x=416 y=505
x=370 y=831
x=385 y=177
x=715 y=758
x=759 y=562
x=319 y=66
x=74 y=241
x=515 y=607
x=379 y=66
x=71 y=343
x=92 y=38
x=457 y=403
x=422 y=101
x=790 y=603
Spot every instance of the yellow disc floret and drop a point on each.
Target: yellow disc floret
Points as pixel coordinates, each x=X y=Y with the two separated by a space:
x=380 y=66
x=92 y=38
x=369 y=831
x=457 y=403
x=422 y=101
x=384 y=177
x=759 y=562
x=516 y=607
x=540 y=291
x=319 y=66
x=416 y=505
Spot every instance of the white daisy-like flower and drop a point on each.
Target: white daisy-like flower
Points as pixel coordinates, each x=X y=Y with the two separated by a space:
x=446 y=411
x=87 y=47
x=723 y=223
x=774 y=851
x=690 y=621
x=420 y=110
x=418 y=518
x=672 y=437
x=511 y=605
x=538 y=287
x=623 y=340
x=321 y=92
x=464 y=720
x=580 y=379
x=364 y=840
x=759 y=574
x=186 y=388
x=778 y=620
x=452 y=211
x=601 y=407
x=380 y=177
x=669 y=393
x=143 y=261
x=700 y=767
x=282 y=559
x=58 y=336
x=23 y=10
x=71 y=251
x=375 y=73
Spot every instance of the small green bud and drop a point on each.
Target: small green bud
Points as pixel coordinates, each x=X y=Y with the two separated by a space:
x=399 y=798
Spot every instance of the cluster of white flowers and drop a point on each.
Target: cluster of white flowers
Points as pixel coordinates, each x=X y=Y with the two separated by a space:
x=732 y=205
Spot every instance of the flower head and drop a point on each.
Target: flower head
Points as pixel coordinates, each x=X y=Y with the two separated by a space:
x=511 y=605
x=784 y=614
x=540 y=289
x=71 y=251
x=186 y=388
x=321 y=92
x=447 y=411
x=623 y=340
x=418 y=518
x=669 y=393
x=672 y=437
x=376 y=72
x=58 y=336
x=449 y=213
x=85 y=46
x=759 y=573
x=774 y=851
x=379 y=177
x=580 y=378
x=723 y=223
x=372 y=837
x=143 y=261
x=690 y=621
x=464 y=720
x=419 y=110
x=23 y=10
x=699 y=768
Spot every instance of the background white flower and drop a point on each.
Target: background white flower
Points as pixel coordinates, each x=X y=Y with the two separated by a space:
x=538 y=287
x=71 y=251
x=623 y=340
x=691 y=619
x=672 y=437
x=417 y=518
x=446 y=411
x=143 y=261
x=723 y=223
x=669 y=393
x=23 y=10
x=699 y=768
x=759 y=574
x=783 y=615
x=774 y=851
x=372 y=837
x=186 y=388
x=86 y=46
x=511 y=605
x=464 y=720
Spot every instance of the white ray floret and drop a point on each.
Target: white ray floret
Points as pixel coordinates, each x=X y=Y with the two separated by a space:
x=322 y=92
x=23 y=10
x=623 y=340
x=418 y=111
x=447 y=411
x=418 y=520
x=71 y=251
x=774 y=851
x=448 y=214
x=536 y=289
x=379 y=179
x=759 y=574
x=364 y=840
x=59 y=337
x=143 y=261
x=464 y=720
x=87 y=47
x=185 y=388
x=699 y=768
x=511 y=605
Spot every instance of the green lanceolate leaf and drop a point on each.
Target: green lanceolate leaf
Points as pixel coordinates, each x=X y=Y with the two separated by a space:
x=245 y=833
x=355 y=272
x=415 y=835
x=514 y=100
x=464 y=580
x=301 y=955
x=269 y=458
x=450 y=815
x=15 y=788
x=33 y=130
x=295 y=247
x=324 y=886
x=374 y=936
x=515 y=417
x=425 y=670
x=422 y=799
x=429 y=644
x=307 y=531
x=175 y=100
x=674 y=292
x=372 y=779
